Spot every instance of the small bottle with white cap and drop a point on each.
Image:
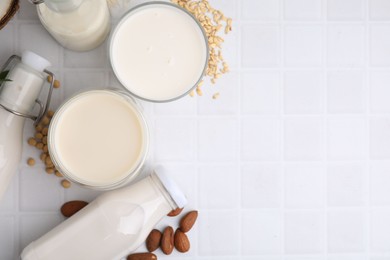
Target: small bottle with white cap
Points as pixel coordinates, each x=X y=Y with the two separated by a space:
x=25 y=77
x=113 y=225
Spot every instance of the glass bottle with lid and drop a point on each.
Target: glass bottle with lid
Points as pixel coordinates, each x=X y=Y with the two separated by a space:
x=79 y=25
x=112 y=225
x=19 y=92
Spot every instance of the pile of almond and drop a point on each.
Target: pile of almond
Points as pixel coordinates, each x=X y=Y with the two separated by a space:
x=213 y=22
x=169 y=239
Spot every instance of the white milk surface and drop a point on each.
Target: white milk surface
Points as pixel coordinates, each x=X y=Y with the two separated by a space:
x=81 y=29
x=158 y=52
x=98 y=137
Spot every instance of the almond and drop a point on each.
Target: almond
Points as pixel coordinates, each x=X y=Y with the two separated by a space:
x=188 y=221
x=175 y=212
x=153 y=240
x=182 y=244
x=142 y=256
x=167 y=240
x=72 y=207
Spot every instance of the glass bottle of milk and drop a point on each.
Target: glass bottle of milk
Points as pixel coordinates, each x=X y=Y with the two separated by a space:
x=111 y=226
x=79 y=25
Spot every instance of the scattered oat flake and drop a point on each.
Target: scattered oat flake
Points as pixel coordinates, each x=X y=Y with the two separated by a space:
x=214 y=23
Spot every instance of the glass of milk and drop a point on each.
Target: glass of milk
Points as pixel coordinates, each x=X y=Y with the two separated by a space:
x=99 y=139
x=159 y=51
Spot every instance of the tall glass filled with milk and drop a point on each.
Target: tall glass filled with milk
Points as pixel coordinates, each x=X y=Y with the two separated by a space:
x=79 y=25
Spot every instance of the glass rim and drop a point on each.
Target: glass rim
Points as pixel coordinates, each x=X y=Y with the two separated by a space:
x=129 y=13
x=128 y=175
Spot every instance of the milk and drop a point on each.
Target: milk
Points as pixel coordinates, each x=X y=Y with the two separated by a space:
x=158 y=52
x=112 y=226
x=98 y=138
x=81 y=29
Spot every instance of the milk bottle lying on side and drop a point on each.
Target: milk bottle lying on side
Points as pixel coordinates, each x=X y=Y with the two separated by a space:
x=111 y=226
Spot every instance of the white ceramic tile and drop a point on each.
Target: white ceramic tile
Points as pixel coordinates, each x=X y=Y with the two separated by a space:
x=185 y=106
x=260 y=46
x=302 y=9
x=230 y=50
x=347 y=257
x=380 y=183
x=76 y=81
x=229 y=7
x=346 y=45
x=304 y=232
x=302 y=257
x=39 y=186
x=304 y=185
x=219 y=187
x=379 y=40
x=174 y=139
x=347 y=184
x=267 y=225
x=216 y=232
x=186 y=177
x=227 y=102
x=265 y=10
x=303 y=45
x=380 y=138
x=9 y=201
x=347 y=138
x=217 y=140
x=283 y=199
x=260 y=92
x=379 y=91
x=268 y=257
x=7 y=238
x=379 y=10
x=33 y=226
x=347 y=231
x=26 y=11
x=32 y=35
x=380 y=230
x=261 y=185
x=260 y=139
x=346 y=10
x=303 y=92
x=80 y=193
x=96 y=58
x=7 y=43
x=303 y=139
x=346 y=91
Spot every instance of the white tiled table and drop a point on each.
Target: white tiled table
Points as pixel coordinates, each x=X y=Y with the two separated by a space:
x=292 y=162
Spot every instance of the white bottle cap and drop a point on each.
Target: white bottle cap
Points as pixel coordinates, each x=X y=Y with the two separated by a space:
x=35 y=61
x=176 y=194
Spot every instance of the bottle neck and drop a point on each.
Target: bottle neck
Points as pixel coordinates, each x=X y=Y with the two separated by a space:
x=157 y=182
x=63 y=6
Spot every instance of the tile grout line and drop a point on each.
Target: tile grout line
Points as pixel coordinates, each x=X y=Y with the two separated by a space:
x=368 y=95
x=239 y=119
x=325 y=126
x=282 y=117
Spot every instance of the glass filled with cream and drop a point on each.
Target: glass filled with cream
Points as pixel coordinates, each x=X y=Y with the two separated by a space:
x=99 y=139
x=159 y=51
